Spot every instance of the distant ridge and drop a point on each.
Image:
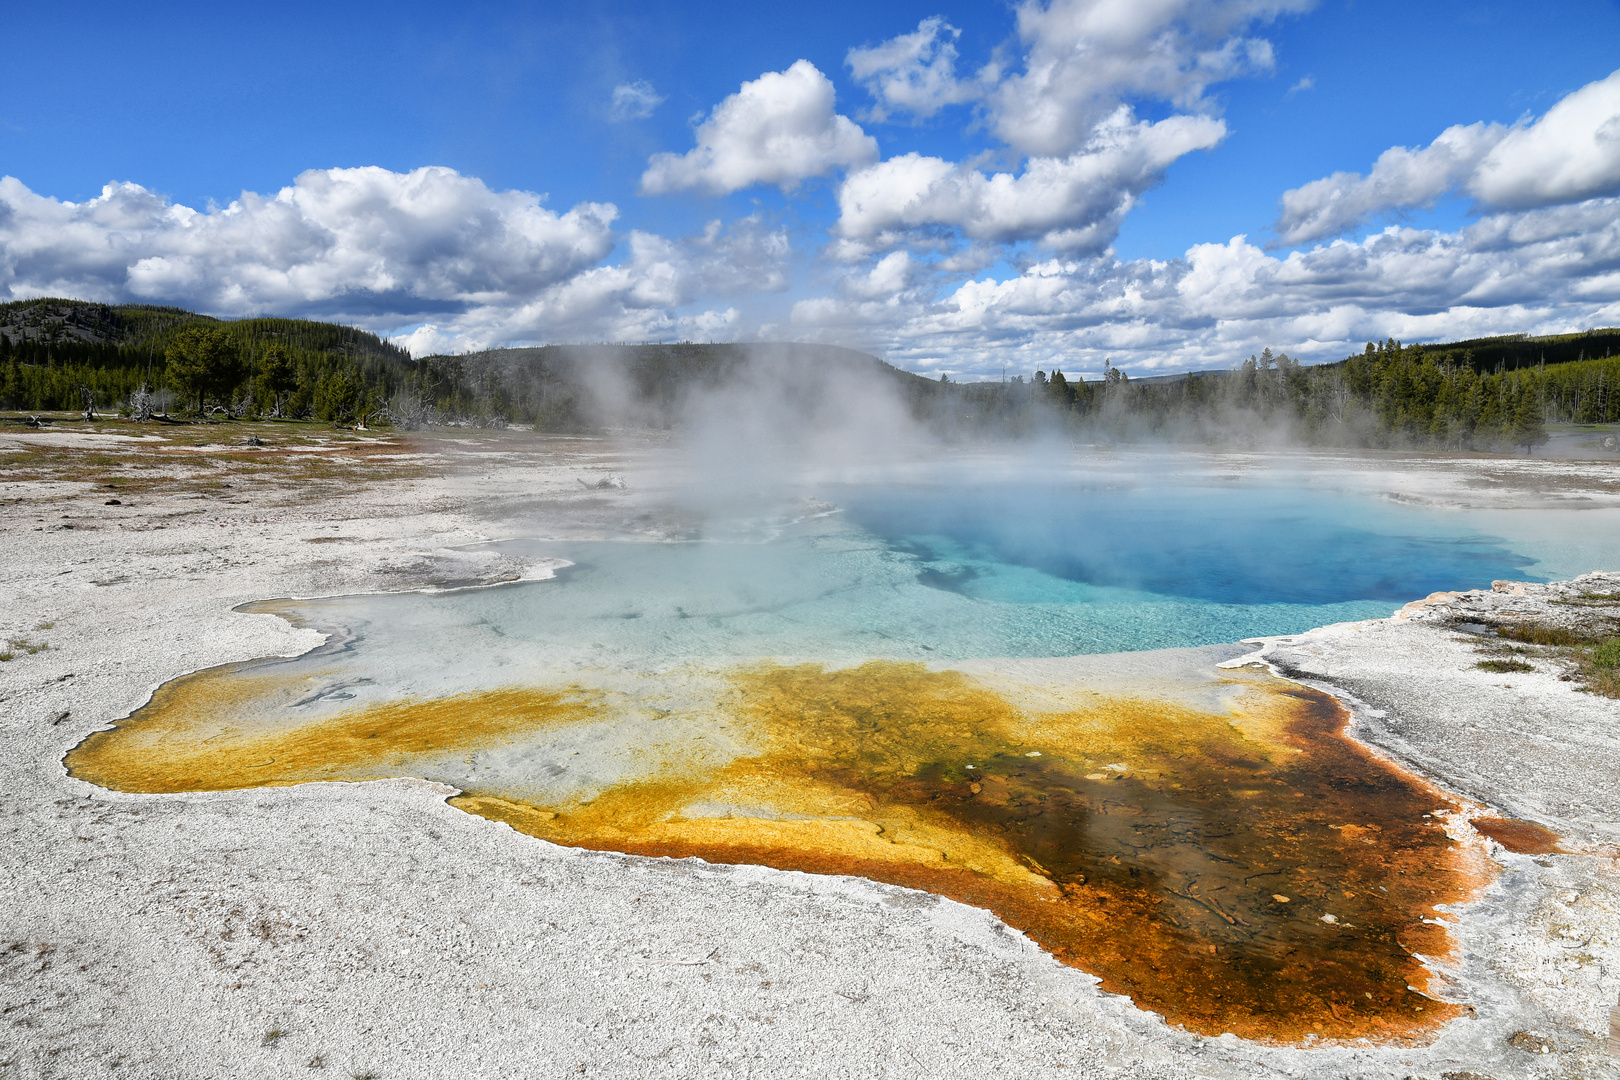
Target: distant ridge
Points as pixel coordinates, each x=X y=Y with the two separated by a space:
x=566 y=386
x=1510 y=352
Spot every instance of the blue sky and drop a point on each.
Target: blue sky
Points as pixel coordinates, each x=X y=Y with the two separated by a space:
x=1155 y=133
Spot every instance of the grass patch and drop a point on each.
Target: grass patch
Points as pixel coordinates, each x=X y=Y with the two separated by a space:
x=1600 y=669
x=1593 y=655
x=1606 y=655
x=172 y=463
x=1541 y=634
x=1591 y=599
x=17 y=646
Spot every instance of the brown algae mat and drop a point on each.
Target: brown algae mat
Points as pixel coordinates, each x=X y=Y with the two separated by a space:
x=1520 y=837
x=1251 y=871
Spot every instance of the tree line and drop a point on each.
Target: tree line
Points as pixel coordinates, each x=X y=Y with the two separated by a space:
x=1489 y=394
x=66 y=355
x=1388 y=396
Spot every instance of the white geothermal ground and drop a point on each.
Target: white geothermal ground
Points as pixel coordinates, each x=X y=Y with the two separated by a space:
x=370 y=930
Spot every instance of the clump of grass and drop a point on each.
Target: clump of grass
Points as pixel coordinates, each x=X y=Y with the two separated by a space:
x=18 y=645
x=1594 y=654
x=1600 y=669
x=1542 y=634
x=1589 y=650
x=1591 y=599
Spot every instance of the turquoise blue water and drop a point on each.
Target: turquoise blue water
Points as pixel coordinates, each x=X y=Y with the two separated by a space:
x=944 y=573
x=1011 y=570
x=1255 y=545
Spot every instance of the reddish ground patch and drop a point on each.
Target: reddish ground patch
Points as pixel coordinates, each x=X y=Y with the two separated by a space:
x=1522 y=837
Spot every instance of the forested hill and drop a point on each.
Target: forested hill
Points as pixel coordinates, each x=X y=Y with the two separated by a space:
x=60 y=354
x=54 y=352
x=1514 y=351
x=1490 y=393
x=573 y=387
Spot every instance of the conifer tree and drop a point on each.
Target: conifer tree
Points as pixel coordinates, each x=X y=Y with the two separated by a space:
x=277 y=376
x=202 y=360
x=1528 y=430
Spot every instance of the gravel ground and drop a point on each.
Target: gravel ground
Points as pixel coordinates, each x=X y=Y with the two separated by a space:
x=371 y=930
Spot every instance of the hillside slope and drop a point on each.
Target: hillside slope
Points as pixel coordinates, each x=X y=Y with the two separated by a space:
x=52 y=350
x=578 y=387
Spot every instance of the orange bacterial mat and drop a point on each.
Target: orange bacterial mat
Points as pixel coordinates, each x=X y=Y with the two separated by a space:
x=1250 y=870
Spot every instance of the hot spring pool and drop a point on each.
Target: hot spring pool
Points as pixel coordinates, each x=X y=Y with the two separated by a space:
x=944 y=575
x=902 y=682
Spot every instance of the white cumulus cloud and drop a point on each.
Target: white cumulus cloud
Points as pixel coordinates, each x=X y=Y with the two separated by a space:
x=1076 y=62
x=1539 y=271
x=1072 y=203
x=432 y=253
x=1063 y=101
x=335 y=240
x=780 y=129
x=1400 y=178
x=1082 y=58
x=664 y=288
x=1569 y=155
x=913 y=73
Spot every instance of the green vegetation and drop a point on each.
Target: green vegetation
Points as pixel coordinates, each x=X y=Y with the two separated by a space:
x=1591 y=599
x=1542 y=634
x=1600 y=668
x=1389 y=396
x=1490 y=394
x=1588 y=650
x=1515 y=351
x=50 y=349
x=16 y=646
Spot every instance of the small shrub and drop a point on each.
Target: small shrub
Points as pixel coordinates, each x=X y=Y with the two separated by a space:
x=1502 y=667
x=1606 y=655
